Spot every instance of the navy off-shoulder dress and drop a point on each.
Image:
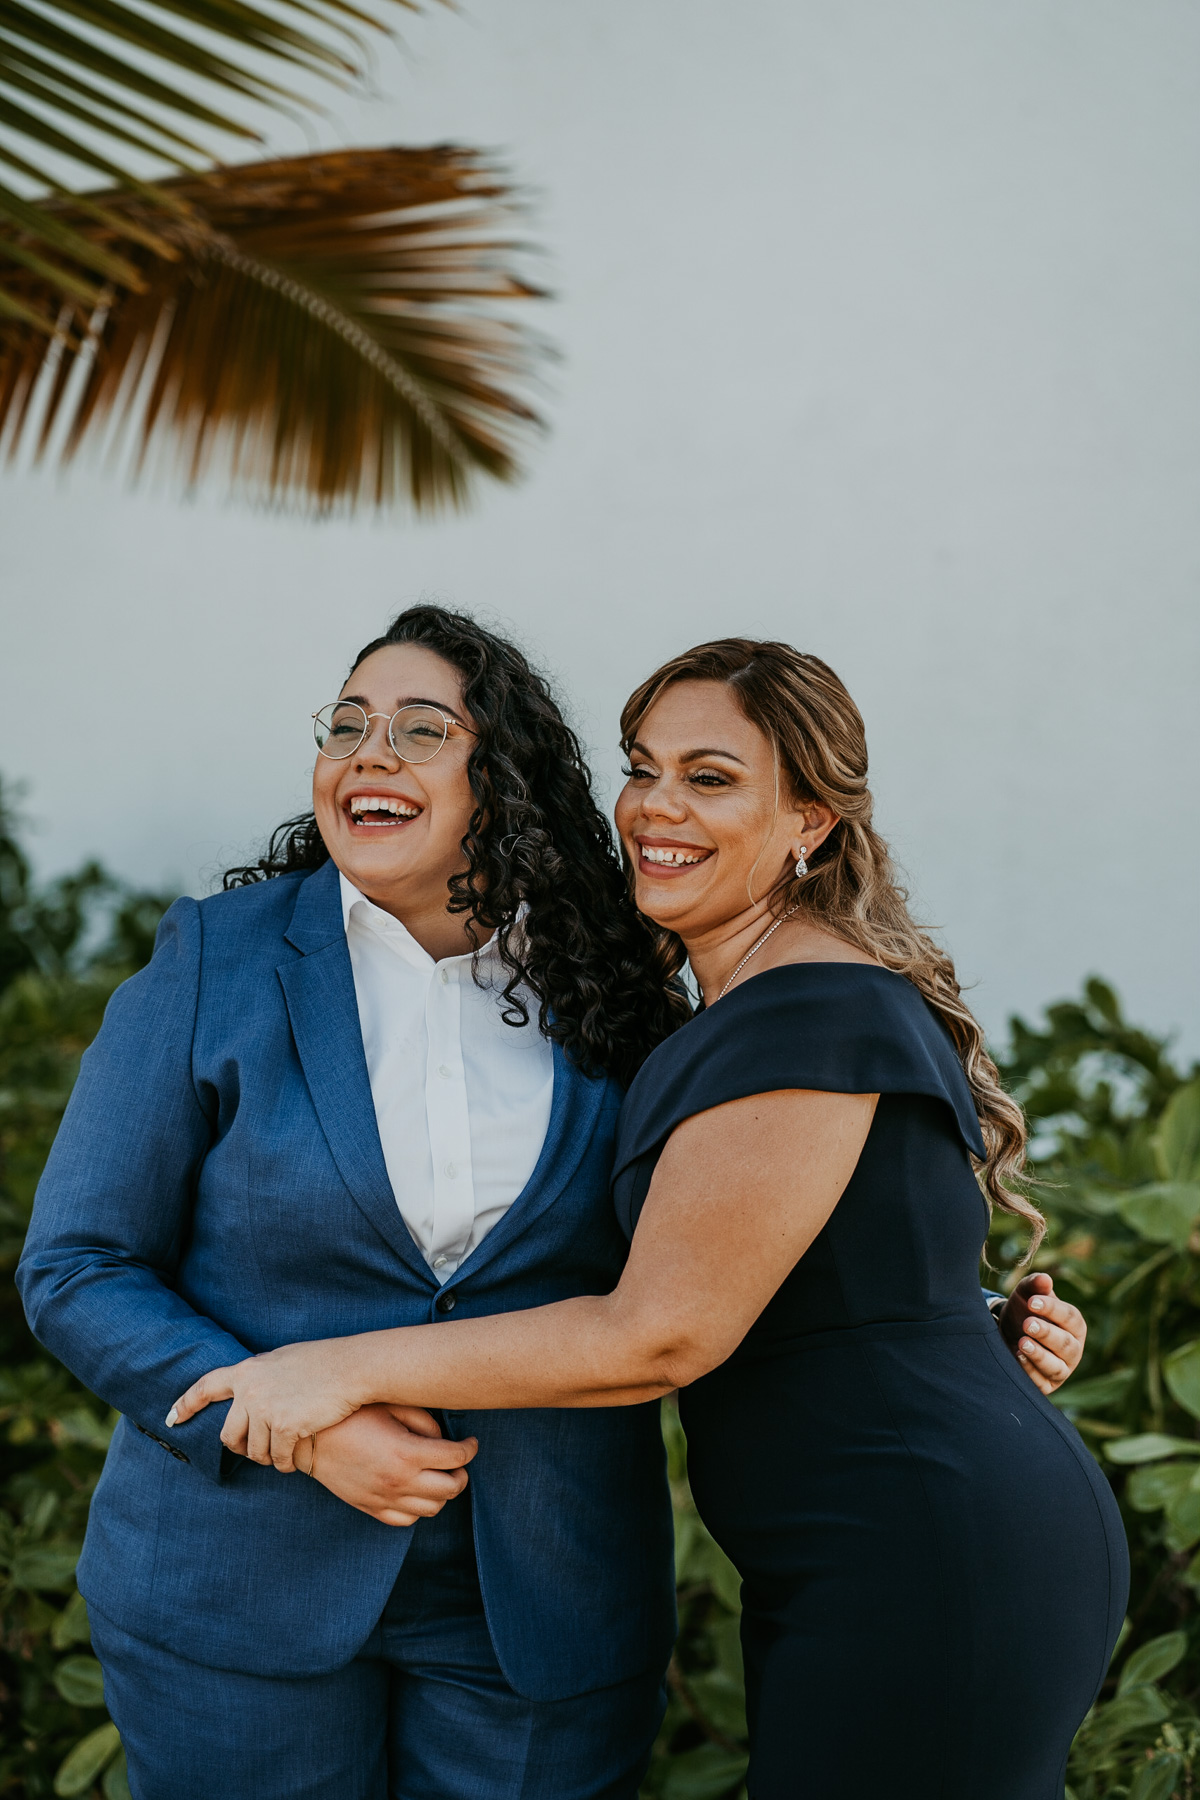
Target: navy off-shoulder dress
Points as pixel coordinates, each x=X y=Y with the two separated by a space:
x=934 y=1569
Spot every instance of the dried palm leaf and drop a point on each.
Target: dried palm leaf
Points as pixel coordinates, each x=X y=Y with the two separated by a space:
x=333 y=329
x=88 y=82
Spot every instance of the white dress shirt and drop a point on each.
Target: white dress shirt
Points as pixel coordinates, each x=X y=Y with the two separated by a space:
x=462 y=1100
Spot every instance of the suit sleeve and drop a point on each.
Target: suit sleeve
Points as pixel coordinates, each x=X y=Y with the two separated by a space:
x=111 y=1215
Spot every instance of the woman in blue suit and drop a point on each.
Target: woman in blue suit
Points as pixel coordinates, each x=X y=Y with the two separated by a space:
x=378 y=1089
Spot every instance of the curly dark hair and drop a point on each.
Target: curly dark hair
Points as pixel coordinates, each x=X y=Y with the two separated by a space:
x=604 y=979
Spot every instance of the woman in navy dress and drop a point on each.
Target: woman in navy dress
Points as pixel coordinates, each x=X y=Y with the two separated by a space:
x=805 y=1171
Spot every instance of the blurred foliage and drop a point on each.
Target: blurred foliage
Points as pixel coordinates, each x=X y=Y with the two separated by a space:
x=1116 y=1141
x=64 y=947
x=1117 y=1144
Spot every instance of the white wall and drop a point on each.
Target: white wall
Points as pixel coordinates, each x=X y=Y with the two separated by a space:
x=880 y=335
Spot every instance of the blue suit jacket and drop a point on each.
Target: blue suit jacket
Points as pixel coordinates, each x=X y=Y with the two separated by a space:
x=218 y=1188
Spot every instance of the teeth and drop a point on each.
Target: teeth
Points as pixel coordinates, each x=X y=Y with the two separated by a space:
x=674 y=857
x=365 y=803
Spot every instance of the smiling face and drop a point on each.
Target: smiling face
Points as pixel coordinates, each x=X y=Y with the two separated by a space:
x=709 y=829
x=394 y=828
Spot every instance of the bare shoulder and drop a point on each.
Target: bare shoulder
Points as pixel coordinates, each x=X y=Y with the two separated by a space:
x=806 y=943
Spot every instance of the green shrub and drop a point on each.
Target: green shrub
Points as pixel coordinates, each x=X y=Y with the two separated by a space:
x=63 y=949
x=1118 y=1137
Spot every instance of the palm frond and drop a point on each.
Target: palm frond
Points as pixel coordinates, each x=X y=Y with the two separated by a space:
x=334 y=330
x=87 y=83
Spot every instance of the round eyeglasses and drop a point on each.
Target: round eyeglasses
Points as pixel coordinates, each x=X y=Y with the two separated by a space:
x=416 y=733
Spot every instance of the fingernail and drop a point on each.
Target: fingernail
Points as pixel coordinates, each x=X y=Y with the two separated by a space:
x=1027 y=1347
x=1034 y=1325
x=173 y=1416
x=1037 y=1304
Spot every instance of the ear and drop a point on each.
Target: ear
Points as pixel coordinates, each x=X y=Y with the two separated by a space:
x=812 y=822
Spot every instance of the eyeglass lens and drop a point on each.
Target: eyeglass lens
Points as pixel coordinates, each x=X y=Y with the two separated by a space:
x=416 y=733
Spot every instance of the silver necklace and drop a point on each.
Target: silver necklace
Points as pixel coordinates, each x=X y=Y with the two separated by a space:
x=754 y=949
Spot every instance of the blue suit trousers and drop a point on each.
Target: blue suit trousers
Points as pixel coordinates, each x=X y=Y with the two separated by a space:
x=422 y=1713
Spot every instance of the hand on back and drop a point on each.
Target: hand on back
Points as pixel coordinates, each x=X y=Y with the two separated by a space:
x=1044 y=1333
x=392 y=1462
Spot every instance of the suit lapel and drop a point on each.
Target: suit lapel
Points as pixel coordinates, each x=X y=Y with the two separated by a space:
x=574 y=1111
x=319 y=990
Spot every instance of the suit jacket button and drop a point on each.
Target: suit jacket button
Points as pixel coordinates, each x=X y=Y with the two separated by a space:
x=445 y=1303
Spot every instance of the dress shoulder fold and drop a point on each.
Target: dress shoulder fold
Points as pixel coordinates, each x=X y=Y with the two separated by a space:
x=843 y=1028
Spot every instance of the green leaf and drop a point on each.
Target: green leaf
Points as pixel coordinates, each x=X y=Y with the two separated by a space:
x=1101 y=1200
x=725 y=1636
x=706 y=1561
x=1139 y=1707
x=1148 y=1447
x=687 y=1530
x=41 y=1566
x=78 y=1770
x=1095 y=1394
x=1153 y=1660
x=722 y=1700
x=80 y=1680
x=726 y=1582
x=1156 y=1780
x=706 y=1773
x=71 y=1625
x=1181 y=1371
x=1164 y=1213
x=1177 y=1140
x=1156 y=1485
x=115 y=1785
x=1183 y=1520
x=81 y=1426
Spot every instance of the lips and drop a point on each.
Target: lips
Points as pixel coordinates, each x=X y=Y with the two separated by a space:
x=379 y=811
x=666 y=857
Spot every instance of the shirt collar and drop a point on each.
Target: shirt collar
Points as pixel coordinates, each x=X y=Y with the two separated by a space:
x=390 y=929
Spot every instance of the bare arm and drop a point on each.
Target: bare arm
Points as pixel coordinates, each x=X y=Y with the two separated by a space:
x=738 y=1195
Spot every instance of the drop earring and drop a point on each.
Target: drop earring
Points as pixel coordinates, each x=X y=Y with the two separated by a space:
x=801 y=865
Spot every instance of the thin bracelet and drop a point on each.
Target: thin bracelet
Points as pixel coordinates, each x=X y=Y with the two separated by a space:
x=312 y=1461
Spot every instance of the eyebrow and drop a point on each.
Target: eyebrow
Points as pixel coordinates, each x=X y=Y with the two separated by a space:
x=413 y=700
x=693 y=755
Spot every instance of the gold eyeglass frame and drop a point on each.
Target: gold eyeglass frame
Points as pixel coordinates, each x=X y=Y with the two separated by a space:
x=420 y=706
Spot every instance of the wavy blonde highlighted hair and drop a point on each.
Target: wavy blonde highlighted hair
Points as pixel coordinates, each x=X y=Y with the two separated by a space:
x=851 y=887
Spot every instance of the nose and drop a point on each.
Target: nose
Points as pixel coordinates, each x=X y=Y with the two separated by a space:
x=662 y=800
x=375 y=751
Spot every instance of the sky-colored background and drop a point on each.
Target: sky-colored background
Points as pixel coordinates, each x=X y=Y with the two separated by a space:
x=879 y=331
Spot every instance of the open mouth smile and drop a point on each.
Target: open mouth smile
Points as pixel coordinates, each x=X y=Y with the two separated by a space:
x=380 y=812
x=667 y=859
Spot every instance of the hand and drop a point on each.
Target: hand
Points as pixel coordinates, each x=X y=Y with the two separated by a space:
x=391 y=1462
x=283 y=1395
x=1044 y=1333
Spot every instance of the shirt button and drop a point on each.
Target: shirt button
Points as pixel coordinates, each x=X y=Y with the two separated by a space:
x=445 y=1069
x=452 y=1170
x=445 y=1303
x=439 y=1262
x=445 y=973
